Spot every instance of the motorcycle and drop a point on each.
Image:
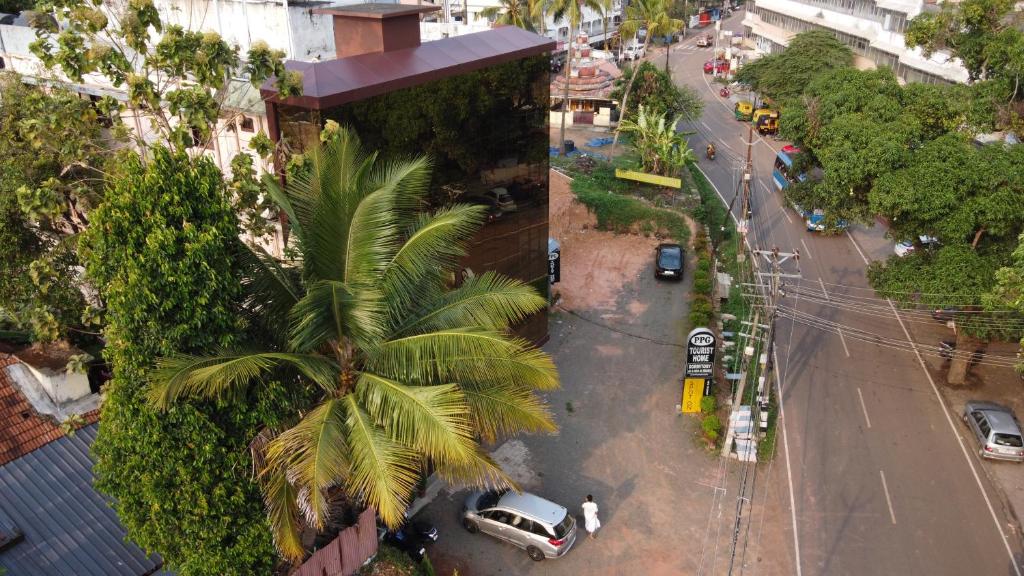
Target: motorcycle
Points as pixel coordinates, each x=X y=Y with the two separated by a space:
x=710 y=152
x=724 y=92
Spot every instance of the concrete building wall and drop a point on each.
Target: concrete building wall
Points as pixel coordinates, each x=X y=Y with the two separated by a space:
x=872 y=29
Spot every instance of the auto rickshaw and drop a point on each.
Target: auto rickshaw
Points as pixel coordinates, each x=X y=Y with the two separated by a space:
x=744 y=110
x=766 y=121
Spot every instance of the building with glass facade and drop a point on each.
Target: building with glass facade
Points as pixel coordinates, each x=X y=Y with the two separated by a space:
x=476 y=104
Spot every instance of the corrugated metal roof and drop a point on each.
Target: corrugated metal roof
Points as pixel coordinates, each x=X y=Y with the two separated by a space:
x=69 y=528
x=335 y=82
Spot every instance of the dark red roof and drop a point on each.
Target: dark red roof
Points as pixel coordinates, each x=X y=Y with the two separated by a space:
x=22 y=430
x=334 y=82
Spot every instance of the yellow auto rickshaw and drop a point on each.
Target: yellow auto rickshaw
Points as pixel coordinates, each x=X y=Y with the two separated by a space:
x=744 y=110
x=766 y=121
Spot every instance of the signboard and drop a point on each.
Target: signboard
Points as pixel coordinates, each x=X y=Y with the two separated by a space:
x=700 y=353
x=693 y=391
x=666 y=181
x=554 y=261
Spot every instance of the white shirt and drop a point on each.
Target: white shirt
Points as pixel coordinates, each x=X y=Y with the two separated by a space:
x=589 y=510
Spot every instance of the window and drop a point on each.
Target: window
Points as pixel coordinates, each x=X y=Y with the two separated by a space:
x=246 y=124
x=540 y=530
x=497 y=516
x=982 y=422
x=563 y=527
x=1008 y=440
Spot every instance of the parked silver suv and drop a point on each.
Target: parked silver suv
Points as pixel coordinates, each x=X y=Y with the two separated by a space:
x=997 y=429
x=542 y=528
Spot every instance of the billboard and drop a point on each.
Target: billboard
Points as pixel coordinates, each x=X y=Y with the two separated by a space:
x=700 y=353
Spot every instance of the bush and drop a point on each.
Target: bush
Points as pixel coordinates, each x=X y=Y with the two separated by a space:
x=702 y=286
x=711 y=426
x=700 y=241
x=700 y=311
x=708 y=405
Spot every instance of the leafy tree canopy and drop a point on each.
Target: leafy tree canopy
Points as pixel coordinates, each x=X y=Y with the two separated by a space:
x=784 y=76
x=54 y=164
x=162 y=250
x=655 y=91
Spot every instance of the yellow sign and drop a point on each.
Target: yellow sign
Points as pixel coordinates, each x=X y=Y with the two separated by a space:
x=649 y=178
x=693 y=391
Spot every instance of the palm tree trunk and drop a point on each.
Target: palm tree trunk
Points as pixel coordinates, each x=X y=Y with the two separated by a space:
x=629 y=88
x=565 y=94
x=668 y=50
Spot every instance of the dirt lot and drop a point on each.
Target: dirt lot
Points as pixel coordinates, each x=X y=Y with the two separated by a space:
x=601 y=262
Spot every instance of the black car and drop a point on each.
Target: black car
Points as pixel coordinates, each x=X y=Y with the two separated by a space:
x=668 y=261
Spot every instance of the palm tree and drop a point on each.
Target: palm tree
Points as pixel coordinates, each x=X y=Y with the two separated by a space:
x=649 y=14
x=606 y=7
x=518 y=13
x=405 y=369
x=572 y=11
x=663 y=149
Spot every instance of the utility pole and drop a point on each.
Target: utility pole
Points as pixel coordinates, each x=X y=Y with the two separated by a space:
x=744 y=223
x=775 y=291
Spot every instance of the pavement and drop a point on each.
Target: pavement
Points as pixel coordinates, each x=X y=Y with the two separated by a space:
x=878 y=474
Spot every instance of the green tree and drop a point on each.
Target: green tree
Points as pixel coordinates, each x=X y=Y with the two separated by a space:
x=649 y=14
x=174 y=76
x=784 y=76
x=162 y=250
x=572 y=12
x=52 y=173
x=408 y=370
x=655 y=91
x=987 y=37
x=968 y=199
x=662 y=148
x=511 y=13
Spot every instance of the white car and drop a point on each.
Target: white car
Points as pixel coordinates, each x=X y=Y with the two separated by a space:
x=907 y=247
x=501 y=199
x=633 y=52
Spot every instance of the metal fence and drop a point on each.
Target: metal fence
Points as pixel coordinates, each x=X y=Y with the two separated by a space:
x=346 y=553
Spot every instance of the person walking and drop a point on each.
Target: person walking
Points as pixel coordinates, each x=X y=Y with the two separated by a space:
x=590 y=521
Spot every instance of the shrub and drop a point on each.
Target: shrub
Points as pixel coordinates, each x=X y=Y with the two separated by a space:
x=711 y=426
x=702 y=286
x=708 y=404
x=700 y=241
x=700 y=311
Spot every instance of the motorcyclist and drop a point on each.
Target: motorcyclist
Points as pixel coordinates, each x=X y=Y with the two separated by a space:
x=711 y=151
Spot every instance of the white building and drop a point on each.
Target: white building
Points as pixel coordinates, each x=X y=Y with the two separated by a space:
x=873 y=29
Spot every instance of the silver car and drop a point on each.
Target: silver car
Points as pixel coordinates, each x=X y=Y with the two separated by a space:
x=542 y=528
x=996 y=429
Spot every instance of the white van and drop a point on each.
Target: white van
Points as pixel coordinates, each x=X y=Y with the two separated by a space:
x=634 y=50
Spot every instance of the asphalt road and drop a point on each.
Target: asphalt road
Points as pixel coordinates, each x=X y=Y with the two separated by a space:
x=880 y=481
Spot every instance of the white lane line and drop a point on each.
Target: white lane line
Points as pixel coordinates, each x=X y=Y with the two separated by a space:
x=705 y=125
x=807 y=250
x=839 y=330
x=862 y=256
x=888 y=500
x=789 y=468
x=785 y=213
x=865 y=409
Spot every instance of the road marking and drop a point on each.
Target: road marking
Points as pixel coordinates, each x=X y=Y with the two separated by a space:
x=865 y=409
x=786 y=214
x=959 y=439
x=862 y=256
x=806 y=249
x=789 y=468
x=888 y=500
x=839 y=330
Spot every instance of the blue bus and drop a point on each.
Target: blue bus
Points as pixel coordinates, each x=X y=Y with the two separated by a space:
x=782 y=176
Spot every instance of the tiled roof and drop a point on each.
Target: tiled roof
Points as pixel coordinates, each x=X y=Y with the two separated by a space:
x=22 y=430
x=68 y=528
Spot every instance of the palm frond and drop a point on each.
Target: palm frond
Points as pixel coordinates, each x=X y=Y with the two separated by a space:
x=331 y=311
x=503 y=410
x=278 y=195
x=490 y=301
x=384 y=472
x=433 y=246
x=280 y=499
x=431 y=419
x=224 y=376
x=481 y=471
x=377 y=221
x=314 y=453
x=270 y=289
x=463 y=355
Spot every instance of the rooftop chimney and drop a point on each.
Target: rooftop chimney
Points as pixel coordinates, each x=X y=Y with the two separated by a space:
x=367 y=28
